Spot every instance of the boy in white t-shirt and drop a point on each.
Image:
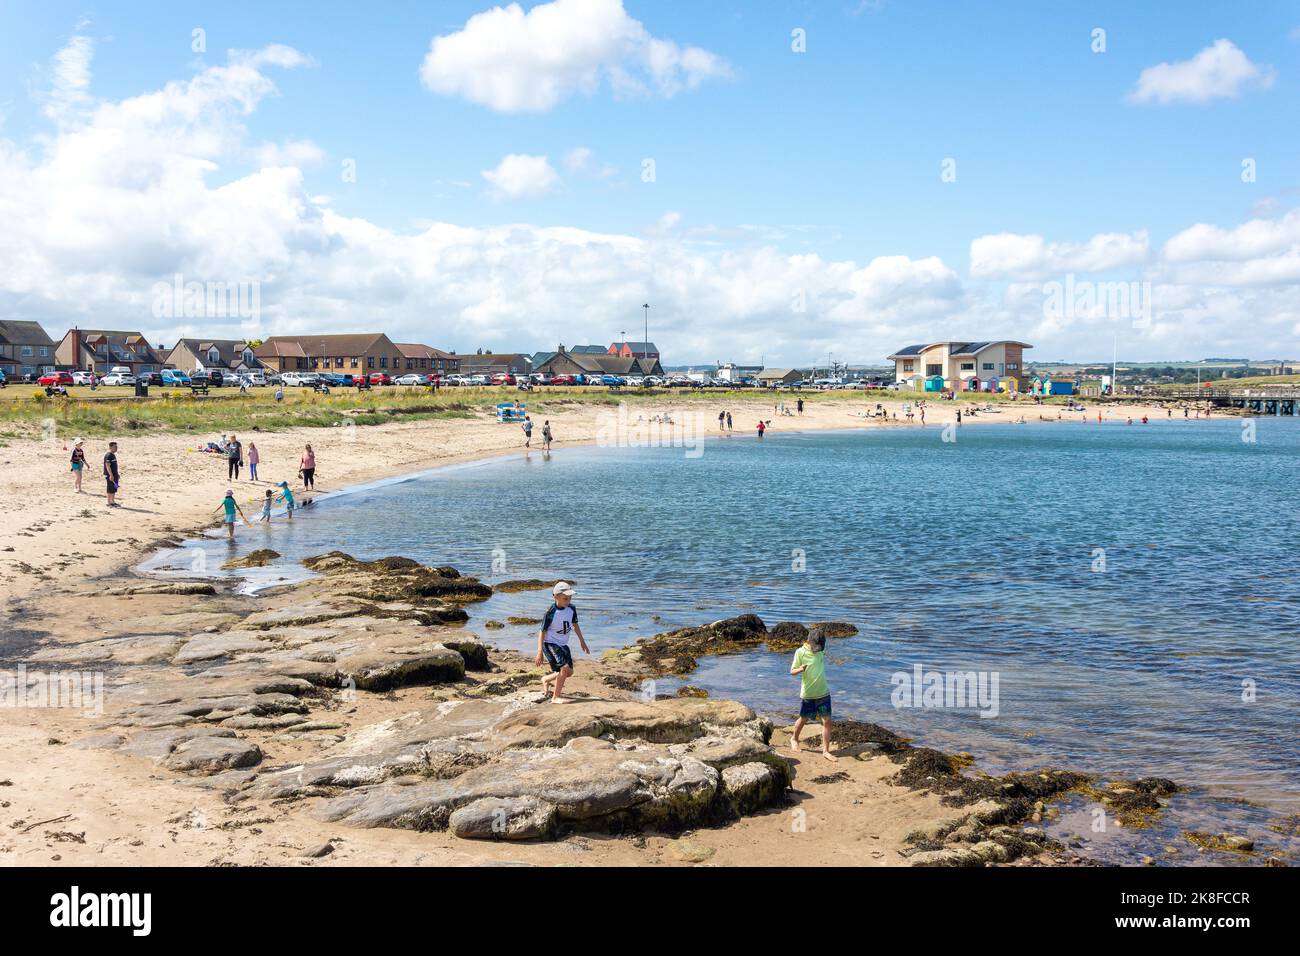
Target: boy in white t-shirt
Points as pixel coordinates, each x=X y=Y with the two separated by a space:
x=553 y=641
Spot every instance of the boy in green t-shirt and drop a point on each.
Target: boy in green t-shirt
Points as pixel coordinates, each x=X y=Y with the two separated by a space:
x=814 y=695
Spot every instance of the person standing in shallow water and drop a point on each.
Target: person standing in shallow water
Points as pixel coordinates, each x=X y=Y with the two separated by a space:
x=546 y=435
x=762 y=427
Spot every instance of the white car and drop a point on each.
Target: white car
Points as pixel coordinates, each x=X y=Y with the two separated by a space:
x=81 y=378
x=411 y=379
x=480 y=380
x=636 y=381
x=652 y=381
x=253 y=378
x=118 y=378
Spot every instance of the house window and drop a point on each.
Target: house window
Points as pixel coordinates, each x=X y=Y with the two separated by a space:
x=1012 y=366
x=383 y=361
x=370 y=361
x=214 y=356
x=27 y=351
x=45 y=352
x=988 y=366
x=968 y=366
x=908 y=367
x=354 y=361
x=934 y=370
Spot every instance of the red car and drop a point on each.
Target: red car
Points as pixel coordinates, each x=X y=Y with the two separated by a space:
x=380 y=378
x=503 y=378
x=55 y=378
x=563 y=380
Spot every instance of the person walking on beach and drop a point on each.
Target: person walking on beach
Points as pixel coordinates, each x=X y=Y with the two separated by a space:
x=546 y=435
x=527 y=426
x=78 y=461
x=253 y=458
x=553 y=641
x=232 y=508
x=922 y=410
x=809 y=666
x=308 y=468
x=112 y=476
x=234 y=458
x=286 y=496
x=799 y=404
x=722 y=420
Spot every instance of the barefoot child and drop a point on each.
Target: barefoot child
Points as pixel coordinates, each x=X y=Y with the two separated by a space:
x=232 y=507
x=814 y=696
x=266 y=506
x=553 y=641
x=287 y=497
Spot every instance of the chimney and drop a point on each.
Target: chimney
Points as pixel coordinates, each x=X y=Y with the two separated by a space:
x=561 y=349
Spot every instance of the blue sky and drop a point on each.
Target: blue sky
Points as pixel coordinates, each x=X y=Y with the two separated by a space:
x=818 y=163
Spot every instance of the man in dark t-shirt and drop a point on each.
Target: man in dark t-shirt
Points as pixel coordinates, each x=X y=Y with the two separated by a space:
x=111 y=474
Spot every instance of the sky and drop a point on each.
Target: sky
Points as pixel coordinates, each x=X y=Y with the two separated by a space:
x=782 y=182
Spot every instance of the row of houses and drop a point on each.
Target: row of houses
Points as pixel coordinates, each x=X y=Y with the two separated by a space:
x=26 y=348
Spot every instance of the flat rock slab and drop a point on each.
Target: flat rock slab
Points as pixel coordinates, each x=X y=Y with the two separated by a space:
x=207 y=647
x=667 y=721
x=300 y=615
x=210 y=755
x=146 y=649
x=163 y=587
x=380 y=670
x=494 y=818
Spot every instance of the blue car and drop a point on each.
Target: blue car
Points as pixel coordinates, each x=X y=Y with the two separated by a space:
x=612 y=380
x=175 y=377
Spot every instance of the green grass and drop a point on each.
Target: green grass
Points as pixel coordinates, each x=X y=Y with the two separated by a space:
x=25 y=410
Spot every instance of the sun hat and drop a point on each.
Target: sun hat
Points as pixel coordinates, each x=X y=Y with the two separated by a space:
x=563 y=587
x=78 y=441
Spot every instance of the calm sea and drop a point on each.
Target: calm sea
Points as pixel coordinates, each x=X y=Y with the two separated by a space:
x=1134 y=590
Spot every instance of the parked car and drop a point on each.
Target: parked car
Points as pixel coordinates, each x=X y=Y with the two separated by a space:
x=380 y=378
x=504 y=378
x=55 y=378
x=294 y=379
x=479 y=380
x=411 y=378
x=652 y=381
x=81 y=377
x=175 y=378
x=613 y=381
x=540 y=378
x=4 y=381
x=564 y=380
x=207 y=378
x=118 y=378
x=254 y=378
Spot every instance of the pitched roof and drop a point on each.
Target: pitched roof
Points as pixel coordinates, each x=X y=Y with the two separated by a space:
x=112 y=344
x=638 y=346
x=776 y=372
x=353 y=343
x=23 y=333
x=416 y=350
x=230 y=352
x=588 y=350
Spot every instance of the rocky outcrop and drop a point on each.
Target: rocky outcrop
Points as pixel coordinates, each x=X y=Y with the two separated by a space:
x=254 y=559
x=397 y=580
x=678 y=652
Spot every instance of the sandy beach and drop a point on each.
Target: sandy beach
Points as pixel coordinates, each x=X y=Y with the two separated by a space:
x=71 y=794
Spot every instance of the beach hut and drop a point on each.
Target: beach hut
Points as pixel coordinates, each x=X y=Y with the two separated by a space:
x=995 y=384
x=972 y=384
x=1061 y=388
x=934 y=383
x=1039 y=386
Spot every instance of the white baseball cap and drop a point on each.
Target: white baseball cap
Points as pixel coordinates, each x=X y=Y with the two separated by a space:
x=563 y=587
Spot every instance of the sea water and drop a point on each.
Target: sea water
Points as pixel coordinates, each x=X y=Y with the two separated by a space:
x=1131 y=593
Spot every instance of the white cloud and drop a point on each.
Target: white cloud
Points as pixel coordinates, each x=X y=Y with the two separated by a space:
x=1220 y=70
x=69 y=93
x=122 y=196
x=1011 y=256
x=512 y=61
x=581 y=161
x=519 y=176
x=294 y=152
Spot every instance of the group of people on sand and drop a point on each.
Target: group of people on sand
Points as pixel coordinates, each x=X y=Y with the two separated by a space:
x=561 y=620
x=233 y=451
x=547 y=436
